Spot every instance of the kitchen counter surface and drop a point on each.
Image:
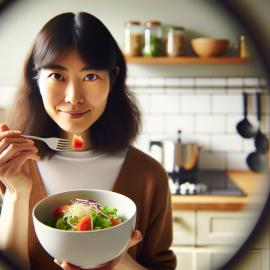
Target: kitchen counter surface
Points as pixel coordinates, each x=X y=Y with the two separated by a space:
x=256 y=186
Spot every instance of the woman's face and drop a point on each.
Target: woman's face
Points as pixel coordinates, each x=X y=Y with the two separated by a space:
x=74 y=95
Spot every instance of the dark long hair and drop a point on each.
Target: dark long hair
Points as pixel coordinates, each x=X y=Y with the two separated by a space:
x=119 y=124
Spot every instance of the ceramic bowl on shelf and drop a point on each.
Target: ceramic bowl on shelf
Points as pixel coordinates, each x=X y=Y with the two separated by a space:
x=209 y=47
x=86 y=249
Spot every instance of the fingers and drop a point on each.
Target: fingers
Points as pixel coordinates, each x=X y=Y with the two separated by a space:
x=13 y=150
x=3 y=127
x=136 y=237
x=4 y=143
x=15 y=166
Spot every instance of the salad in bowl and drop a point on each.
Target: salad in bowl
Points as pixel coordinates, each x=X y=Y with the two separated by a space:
x=86 y=215
x=86 y=227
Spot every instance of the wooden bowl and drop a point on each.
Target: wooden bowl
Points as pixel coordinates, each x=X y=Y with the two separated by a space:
x=209 y=47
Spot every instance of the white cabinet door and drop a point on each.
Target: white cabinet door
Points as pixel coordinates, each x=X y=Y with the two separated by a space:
x=184 y=228
x=212 y=258
x=223 y=228
x=185 y=258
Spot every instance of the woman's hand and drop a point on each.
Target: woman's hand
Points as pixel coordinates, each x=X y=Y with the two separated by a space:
x=14 y=152
x=135 y=239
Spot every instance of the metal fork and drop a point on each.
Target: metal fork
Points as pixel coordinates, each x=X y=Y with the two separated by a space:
x=54 y=143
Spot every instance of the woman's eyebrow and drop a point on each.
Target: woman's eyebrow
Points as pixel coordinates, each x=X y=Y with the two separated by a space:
x=54 y=66
x=88 y=67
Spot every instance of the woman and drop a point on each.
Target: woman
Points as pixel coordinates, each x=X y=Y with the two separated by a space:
x=74 y=83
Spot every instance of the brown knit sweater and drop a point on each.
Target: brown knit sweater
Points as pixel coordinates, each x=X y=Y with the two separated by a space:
x=143 y=180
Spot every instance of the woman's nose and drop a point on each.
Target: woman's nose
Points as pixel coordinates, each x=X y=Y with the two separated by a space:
x=74 y=93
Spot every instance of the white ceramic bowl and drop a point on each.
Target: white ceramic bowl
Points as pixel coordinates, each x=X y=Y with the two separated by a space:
x=88 y=248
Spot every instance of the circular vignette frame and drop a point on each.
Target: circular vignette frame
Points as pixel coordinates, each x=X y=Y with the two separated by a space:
x=238 y=14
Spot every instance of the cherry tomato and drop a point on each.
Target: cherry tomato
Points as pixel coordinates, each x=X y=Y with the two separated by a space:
x=115 y=221
x=84 y=224
x=59 y=211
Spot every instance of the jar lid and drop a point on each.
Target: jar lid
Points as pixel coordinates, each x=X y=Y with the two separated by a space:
x=132 y=22
x=152 y=22
x=175 y=27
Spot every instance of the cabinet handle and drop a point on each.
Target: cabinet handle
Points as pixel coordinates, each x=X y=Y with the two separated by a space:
x=178 y=220
x=183 y=223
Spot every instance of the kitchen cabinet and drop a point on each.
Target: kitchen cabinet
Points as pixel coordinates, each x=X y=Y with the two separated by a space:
x=208 y=238
x=208 y=230
x=228 y=228
x=204 y=240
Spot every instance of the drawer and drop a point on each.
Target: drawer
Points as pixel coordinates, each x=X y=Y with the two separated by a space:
x=223 y=228
x=184 y=224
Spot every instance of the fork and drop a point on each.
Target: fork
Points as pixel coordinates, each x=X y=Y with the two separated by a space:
x=54 y=143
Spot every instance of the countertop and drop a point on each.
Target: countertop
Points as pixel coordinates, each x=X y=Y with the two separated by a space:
x=256 y=186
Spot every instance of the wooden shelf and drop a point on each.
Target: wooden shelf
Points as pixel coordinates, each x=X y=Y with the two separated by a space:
x=185 y=60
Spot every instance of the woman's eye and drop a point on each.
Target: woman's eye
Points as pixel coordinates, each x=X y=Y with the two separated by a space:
x=57 y=76
x=91 y=77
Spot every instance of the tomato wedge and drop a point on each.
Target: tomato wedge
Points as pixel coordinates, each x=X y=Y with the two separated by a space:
x=60 y=210
x=115 y=221
x=84 y=224
x=77 y=142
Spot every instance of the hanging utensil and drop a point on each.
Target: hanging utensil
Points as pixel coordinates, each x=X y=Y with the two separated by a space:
x=244 y=127
x=261 y=141
x=258 y=160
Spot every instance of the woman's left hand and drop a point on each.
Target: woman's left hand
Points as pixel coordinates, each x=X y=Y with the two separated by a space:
x=135 y=239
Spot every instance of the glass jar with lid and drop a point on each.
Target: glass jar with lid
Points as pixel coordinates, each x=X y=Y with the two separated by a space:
x=152 y=38
x=133 y=37
x=175 y=41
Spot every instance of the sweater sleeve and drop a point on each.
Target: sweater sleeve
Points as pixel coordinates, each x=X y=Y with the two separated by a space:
x=158 y=236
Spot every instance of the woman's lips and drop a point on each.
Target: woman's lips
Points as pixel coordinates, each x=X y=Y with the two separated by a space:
x=73 y=114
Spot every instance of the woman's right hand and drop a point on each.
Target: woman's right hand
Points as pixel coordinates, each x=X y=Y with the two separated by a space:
x=14 y=152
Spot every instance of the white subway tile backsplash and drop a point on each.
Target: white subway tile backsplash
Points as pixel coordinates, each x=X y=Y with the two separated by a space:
x=176 y=122
x=221 y=82
x=153 y=124
x=206 y=110
x=172 y=82
x=164 y=104
x=210 y=124
x=235 y=82
x=142 y=142
x=251 y=82
x=141 y=81
x=237 y=161
x=228 y=143
x=195 y=104
x=149 y=90
x=199 y=82
x=235 y=90
x=130 y=81
x=210 y=90
x=187 y=82
x=227 y=103
x=160 y=82
x=248 y=145
x=180 y=91
x=144 y=102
